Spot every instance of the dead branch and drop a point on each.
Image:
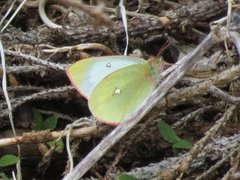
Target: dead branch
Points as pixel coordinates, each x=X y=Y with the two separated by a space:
x=178 y=97
x=36 y=60
x=179 y=19
x=46 y=94
x=217 y=165
x=216 y=149
x=45 y=136
x=225 y=96
x=174 y=171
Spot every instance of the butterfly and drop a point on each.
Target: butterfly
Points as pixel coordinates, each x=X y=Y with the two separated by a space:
x=115 y=86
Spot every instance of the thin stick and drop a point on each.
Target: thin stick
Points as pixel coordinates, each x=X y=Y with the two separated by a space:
x=124 y=20
x=14 y=14
x=45 y=136
x=36 y=60
x=7 y=13
x=50 y=94
x=235 y=39
x=225 y=96
x=45 y=19
x=10 y=109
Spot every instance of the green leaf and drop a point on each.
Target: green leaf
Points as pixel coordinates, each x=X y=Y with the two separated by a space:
x=4 y=176
x=182 y=144
x=59 y=145
x=167 y=132
x=50 y=123
x=39 y=124
x=37 y=120
x=125 y=177
x=8 y=160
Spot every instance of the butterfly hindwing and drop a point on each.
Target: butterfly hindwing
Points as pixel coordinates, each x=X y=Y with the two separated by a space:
x=121 y=93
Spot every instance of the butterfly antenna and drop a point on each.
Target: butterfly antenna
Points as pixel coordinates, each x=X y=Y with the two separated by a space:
x=166 y=45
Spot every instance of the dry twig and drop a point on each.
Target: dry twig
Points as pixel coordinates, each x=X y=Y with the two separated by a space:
x=174 y=171
x=45 y=136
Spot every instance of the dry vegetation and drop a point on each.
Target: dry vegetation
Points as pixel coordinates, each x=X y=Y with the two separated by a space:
x=200 y=101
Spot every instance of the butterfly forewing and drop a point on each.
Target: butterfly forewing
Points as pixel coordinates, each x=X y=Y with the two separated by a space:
x=86 y=74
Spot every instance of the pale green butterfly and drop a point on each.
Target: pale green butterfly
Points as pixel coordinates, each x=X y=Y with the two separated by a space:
x=115 y=86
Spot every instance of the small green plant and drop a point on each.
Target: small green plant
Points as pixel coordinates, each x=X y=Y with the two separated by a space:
x=59 y=145
x=125 y=177
x=50 y=123
x=39 y=124
x=169 y=135
x=7 y=160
